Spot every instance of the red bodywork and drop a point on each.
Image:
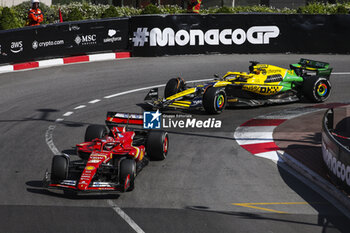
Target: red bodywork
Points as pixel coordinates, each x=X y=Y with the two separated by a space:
x=101 y=152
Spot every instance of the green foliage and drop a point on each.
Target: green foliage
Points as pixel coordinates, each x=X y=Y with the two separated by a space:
x=128 y=11
x=9 y=19
x=225 y=10
x=110 y=12
x=322 y=8
x=151 y=10
x=74 y=15
x=248 y=9
x=51 y=15
x=341 y=9
x=83 y=9
x=171 y=9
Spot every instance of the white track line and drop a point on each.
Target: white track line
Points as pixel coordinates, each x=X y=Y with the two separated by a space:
x=49 y=139
x=80 y=107
x=146 y=88
x=124 y=216
x=341 y=73
x=94 y=101
x=132 y=91
x=68 y=114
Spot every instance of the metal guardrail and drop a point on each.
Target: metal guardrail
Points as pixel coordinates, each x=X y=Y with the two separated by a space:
x=335 y=154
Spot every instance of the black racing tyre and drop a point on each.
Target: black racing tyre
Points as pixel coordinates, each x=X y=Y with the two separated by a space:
x=173 y=86
x=157 y=145
x=95 y=131
x=214 y=100
x=316 y=89
x=127 y=174
x=59 y=168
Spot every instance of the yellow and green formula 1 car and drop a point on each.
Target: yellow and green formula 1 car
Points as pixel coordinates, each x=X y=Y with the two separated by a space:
x=264 y=84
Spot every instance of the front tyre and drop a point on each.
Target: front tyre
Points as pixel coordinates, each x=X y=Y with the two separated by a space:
x=59 y=168
x=214 y=100
x=157 y=145
x=127 y=174
x=173 y=86
x=95 y=131
x=316 y=89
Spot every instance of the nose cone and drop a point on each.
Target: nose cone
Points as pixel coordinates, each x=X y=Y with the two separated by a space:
x=83 y=186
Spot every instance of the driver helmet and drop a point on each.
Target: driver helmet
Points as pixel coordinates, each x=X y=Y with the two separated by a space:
x=109 y=143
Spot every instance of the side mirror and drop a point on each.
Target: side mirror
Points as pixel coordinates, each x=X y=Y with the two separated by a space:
x=216 y=76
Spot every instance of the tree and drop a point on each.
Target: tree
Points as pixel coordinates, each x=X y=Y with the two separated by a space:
x=9 y=20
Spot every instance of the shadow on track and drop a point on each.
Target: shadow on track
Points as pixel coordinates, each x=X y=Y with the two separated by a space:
x=45 y=117
x=325 y=223
x=328 y=215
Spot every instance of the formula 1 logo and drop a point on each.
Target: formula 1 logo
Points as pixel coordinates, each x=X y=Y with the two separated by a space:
x=195 y=37
x=151 y=120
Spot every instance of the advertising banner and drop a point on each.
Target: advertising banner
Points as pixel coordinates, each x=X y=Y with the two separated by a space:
x=158 y=35
x=63 y=39
x=239 y=33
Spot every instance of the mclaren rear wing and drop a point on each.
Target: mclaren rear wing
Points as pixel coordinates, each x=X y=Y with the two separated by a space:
x=121 y=118
x=321 y=68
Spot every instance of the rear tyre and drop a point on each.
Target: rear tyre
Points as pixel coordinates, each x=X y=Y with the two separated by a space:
x=157 y=145
x=95 y=131
x=173 y=86
x=316 y=89
x=214 y=100
x=127 y=173
x=59 y=168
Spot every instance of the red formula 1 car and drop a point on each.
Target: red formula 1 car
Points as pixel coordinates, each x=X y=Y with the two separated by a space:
x=111 y=156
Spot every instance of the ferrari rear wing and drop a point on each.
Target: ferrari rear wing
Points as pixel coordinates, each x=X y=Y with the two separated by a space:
x=120 y=118
x=321 y=68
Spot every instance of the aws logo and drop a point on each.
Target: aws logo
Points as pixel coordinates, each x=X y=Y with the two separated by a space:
x=16 y=47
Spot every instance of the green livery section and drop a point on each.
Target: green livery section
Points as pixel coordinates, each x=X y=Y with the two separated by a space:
x=321 y=68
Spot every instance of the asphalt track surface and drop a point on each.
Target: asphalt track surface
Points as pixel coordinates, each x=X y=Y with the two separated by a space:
x=194 y=190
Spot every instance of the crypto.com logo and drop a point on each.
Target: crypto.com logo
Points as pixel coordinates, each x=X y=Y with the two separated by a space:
x=167 y=36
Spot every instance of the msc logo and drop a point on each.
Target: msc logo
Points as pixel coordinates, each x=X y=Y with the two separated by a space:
x=151 y=120
x=85 y=39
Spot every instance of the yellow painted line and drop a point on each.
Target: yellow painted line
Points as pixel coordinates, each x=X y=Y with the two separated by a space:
x=276 y=203
x=254 y=205
x=260 y=208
